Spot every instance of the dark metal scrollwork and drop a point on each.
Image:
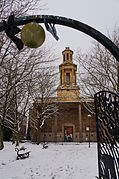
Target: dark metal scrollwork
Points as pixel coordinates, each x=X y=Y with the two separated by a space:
x=107 y=122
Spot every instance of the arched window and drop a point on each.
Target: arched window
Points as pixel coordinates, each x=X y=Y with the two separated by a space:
x=67 y=57
x=61 y=78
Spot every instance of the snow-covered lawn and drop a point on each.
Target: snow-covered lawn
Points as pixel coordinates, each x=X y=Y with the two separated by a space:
x=67 y=161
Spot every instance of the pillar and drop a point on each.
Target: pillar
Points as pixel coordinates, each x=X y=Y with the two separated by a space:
x=55 y=129
x=80 y=124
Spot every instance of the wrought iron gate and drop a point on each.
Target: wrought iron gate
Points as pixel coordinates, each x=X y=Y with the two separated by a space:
x=107 y=122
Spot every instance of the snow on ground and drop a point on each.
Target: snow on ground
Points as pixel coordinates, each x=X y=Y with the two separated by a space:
x=67 y=161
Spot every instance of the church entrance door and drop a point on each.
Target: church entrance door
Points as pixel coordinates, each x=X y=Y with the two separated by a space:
x=68 y=133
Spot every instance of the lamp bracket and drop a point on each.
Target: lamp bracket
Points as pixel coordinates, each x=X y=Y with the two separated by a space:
x=51 y=28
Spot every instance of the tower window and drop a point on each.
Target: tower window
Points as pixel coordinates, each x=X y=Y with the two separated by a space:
x=67 y=78
x=61 y=78
x=74 y=78
x=67 y=56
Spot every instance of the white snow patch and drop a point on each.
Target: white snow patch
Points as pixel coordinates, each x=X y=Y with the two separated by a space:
x=67 y=161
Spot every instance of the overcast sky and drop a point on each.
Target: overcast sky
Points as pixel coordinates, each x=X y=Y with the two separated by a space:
x=102 y=15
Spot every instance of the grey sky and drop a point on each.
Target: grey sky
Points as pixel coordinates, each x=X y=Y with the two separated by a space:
x=100 y=14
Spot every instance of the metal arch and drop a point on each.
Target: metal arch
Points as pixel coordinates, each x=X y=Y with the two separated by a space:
x=70 y=23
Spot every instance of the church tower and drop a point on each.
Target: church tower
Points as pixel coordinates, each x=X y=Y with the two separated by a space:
x=68 y=90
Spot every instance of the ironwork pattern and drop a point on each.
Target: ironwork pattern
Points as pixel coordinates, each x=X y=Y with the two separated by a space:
x=11 y=29
x=107 y=120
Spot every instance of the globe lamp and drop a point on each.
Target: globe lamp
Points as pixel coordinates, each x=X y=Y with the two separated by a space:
x=32 y=35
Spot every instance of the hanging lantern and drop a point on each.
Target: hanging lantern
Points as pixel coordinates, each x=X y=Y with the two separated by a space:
x=33 y=35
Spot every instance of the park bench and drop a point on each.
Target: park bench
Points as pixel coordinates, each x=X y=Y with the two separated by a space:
x=45 y=146
x=22 y=153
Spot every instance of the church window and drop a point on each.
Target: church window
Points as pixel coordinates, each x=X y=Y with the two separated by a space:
x=61 y=78
x=67 y=56
x=67 y=78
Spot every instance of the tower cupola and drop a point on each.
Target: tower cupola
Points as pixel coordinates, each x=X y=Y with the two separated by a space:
x=68 y=89
x=67 y=55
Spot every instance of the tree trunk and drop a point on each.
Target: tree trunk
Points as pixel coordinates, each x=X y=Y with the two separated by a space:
x=38 y=136
x=17 y=139
x=118 y=77
x=13 y=138
x=1 y=138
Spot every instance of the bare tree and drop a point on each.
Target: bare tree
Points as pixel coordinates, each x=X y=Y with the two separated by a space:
x=99 y=70
x=16 y=68
x=29 y=88
x=17 y=87
x=44 y=106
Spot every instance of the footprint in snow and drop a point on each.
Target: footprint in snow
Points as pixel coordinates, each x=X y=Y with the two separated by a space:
x=3 y=163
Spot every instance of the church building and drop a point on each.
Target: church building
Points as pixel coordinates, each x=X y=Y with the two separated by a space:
x=73 y=122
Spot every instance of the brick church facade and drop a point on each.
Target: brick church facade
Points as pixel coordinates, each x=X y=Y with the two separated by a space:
x=73 y=122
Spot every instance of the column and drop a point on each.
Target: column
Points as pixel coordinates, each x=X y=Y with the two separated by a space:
x=63 y=77
x=60 y=77
x=55 y=129
x=72 y=76
x=80 y=124
x=75 y=78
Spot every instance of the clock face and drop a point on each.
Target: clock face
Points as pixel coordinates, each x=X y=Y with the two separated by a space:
x=33 y=35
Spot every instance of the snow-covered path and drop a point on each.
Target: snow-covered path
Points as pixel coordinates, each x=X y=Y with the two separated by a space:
x=67 y=161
